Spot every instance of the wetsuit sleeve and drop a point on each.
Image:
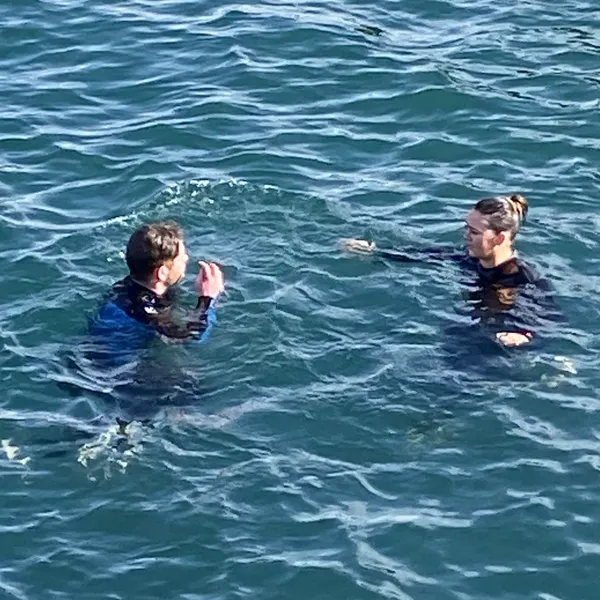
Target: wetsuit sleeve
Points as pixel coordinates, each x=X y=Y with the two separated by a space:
x=423 y=255
x=197 y=326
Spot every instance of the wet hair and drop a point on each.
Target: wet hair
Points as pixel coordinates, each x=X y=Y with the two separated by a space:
x=504 y=213
x=151 y=246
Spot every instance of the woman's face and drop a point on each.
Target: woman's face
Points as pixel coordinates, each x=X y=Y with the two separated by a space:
x=480 y=240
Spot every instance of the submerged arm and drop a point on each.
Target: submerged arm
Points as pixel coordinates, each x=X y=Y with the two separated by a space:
x=410 y=254
x=530 y=311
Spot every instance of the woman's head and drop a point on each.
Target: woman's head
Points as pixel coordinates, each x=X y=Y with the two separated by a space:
x=493 y=223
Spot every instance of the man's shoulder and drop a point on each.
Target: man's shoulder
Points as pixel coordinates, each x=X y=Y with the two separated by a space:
x=128 y=294
x=120 y=287
x=122 y=305
x=116 y=325
x=121 y=295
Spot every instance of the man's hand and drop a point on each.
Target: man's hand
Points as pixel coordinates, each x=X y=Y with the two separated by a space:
x=359 y=246
x=512 y=338
x=209 y=281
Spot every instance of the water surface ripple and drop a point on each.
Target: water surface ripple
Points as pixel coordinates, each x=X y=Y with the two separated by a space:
x=325 y=447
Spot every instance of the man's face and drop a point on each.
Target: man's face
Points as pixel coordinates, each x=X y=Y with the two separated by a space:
x=173 y=271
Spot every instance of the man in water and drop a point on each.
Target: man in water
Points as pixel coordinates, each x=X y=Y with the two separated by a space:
x=139 y=312
x=142 y=305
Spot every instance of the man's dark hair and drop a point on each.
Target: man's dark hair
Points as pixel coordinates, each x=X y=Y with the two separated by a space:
x=151 y=246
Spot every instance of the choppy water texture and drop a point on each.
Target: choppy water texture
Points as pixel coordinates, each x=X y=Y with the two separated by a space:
x=329 y=451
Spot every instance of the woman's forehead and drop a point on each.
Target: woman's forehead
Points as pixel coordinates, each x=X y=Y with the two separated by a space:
x=476 y=219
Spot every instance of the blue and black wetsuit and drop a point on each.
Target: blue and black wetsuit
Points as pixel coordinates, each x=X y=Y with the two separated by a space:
x=510 y=297
x=116 y=359
x=131 y=315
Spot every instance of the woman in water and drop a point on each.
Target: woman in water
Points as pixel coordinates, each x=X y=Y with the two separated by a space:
x=490 y=229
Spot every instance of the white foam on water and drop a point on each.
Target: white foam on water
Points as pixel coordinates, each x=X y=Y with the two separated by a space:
x=562 y=367
x=565 y=364
x=12 y=452
x=104 y=450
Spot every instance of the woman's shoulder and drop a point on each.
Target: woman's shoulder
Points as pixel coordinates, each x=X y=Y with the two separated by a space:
x=529 y=274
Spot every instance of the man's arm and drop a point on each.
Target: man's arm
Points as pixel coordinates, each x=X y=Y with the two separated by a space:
x=198 y=324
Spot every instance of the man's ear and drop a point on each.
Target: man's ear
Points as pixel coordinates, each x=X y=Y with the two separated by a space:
x=162 y=273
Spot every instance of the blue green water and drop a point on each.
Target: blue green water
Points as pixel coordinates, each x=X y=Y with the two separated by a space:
x=327 y=450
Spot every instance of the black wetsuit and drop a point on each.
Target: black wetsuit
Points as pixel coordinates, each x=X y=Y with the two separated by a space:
x=510 y=297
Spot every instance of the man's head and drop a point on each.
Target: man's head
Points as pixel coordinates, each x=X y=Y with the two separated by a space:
x=156 y=254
